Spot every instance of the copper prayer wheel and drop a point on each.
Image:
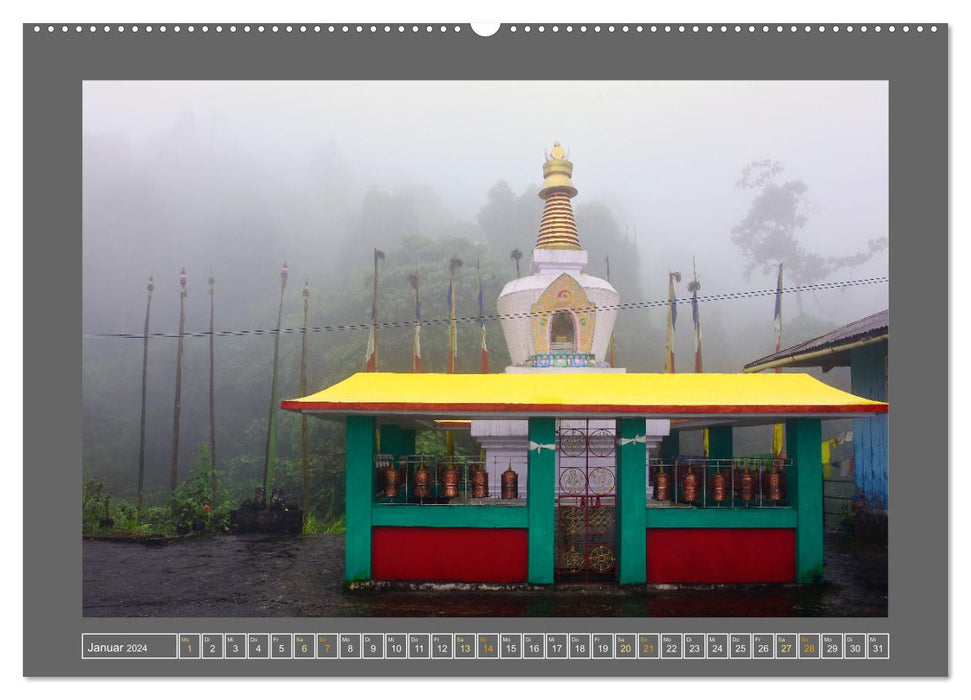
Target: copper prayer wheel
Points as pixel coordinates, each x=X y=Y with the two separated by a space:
x=719 y=487
x=510 y=483
x=450 y=482
x=689 y=486
x=774 y=488
x=747 y=485
x=480 y=484
x=392 y=480
x=662 y=486
x=421 y=482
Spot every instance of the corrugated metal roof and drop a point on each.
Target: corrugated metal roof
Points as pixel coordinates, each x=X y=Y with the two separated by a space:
x=873 y=326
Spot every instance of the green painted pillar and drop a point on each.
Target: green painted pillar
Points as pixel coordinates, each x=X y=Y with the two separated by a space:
x=720 y=446
x=406 y=442
x=396 y=440
x=805 y=492
x=388 y=439
x=631 y=501
x=670 y=445
x=720 y=442
x=359 y=480
x=668 y=452
x=540 y=499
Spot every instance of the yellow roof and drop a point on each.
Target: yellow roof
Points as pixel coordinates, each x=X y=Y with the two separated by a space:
x=584 y=394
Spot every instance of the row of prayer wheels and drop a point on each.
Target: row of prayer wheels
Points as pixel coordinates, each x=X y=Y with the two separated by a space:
x=745 y=487
x=450 y=480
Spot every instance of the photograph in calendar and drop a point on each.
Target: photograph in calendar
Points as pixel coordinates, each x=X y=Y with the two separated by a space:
x=485 y=349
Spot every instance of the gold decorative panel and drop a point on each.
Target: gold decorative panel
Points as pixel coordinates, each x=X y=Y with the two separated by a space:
x=564 y=294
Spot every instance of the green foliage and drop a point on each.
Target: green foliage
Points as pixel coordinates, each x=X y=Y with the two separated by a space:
x=95 y=503
x=126 y=516
x=157 y=520
x=430 y=442
x=509 y=221
x=193 y=503
x=335 y=527
x=100 y=513
x=419 y=235
x=315 y=526
x=428 y=258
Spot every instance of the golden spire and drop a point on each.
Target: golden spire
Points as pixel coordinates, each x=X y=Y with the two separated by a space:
x=558 y=228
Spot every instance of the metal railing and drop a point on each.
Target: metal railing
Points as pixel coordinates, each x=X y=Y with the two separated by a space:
x=449 y=480
x=700 y=482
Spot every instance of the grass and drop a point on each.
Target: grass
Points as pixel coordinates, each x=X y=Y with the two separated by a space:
x=315 y=526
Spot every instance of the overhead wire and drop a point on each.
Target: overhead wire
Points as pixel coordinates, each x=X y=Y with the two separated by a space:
x=626 y=306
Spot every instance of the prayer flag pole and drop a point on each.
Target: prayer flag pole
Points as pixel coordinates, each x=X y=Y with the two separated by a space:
x=174 y=470
x=304 y=459
x=416 y=344
x=611 y=348
x=693 y=287
x=672 y=322
x=516 y=256
x=778 y=428
x=212 y=384
x=483 y=351
x=269 y=458
x=141 y=438
x=454 y=264
x=371 y=364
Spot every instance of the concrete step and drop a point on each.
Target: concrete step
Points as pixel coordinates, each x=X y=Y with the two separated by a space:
x=839 y=488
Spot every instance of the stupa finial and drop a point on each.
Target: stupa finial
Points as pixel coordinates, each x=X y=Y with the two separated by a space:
x=558 y=229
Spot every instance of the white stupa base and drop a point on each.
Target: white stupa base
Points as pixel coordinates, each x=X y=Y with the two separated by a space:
x=516 y=369
x=557 y=261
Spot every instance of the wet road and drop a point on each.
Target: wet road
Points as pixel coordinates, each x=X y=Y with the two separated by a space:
x=266 y=576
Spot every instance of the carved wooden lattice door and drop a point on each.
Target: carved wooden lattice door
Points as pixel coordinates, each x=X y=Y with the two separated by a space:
x=586 y=503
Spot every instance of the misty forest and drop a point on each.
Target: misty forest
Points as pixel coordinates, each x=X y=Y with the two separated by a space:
x=190 y=191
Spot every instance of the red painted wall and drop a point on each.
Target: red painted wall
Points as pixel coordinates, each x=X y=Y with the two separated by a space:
x=721 y=555
x=466 y=554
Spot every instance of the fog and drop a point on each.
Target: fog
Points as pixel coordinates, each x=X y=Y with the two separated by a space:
x=275 y=167
x=238 y=177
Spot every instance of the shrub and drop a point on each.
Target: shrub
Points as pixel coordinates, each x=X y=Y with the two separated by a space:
x=193 y=502
x=125 y=516
x=316 y=526
x=94 y=504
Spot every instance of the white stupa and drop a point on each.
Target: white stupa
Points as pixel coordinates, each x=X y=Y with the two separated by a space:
x=556 y=319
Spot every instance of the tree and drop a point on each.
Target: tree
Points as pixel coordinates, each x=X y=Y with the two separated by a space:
x=509 y=221
x=769 y=234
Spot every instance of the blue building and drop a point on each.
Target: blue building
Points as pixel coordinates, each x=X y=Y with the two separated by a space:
x=863 y=347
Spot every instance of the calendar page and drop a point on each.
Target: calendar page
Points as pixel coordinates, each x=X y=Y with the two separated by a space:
x=461 y=350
